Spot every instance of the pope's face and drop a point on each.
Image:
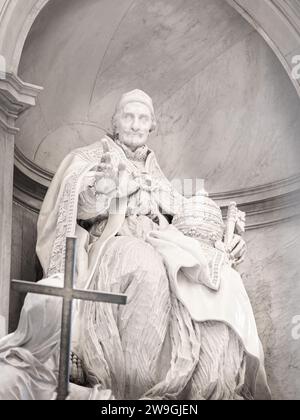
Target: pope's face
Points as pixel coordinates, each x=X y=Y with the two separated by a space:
x=134 y=125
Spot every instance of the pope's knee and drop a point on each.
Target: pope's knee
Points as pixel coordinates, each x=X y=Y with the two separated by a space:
x=140 y=254
x=144 y=264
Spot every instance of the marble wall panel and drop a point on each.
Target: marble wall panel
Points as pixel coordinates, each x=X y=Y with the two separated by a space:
x=235 y=124
x=271 y=275
x=225 y=105
x=227 y=110
x=24 y=261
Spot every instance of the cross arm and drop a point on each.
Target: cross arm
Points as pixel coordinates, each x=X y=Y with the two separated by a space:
x=90 y=295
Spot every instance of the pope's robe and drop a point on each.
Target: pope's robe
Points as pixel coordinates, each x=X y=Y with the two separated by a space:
x=156 y=346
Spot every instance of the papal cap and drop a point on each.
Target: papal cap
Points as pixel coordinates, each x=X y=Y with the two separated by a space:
x=136 y=95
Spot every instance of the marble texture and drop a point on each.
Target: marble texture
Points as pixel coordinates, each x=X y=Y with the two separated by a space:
x=24 y=261
x=241 y=102
x=271 y=275
x=277 y=21
x=6 y=188
x=15 y=98
x=240 y=115
x=215 y=83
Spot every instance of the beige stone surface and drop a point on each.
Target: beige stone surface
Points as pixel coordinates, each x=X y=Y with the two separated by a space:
x=227 y=108
x=217 y=87
x=24 y=261
x=271 y=275
x=6 y=187
x=15 y=97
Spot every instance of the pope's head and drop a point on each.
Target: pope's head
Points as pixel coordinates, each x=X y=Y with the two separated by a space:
x=134 y=119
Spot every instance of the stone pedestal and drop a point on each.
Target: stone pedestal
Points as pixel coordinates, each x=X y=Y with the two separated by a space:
x=15 y=97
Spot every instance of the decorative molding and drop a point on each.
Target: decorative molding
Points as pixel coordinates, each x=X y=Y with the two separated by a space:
x=16 y=97
x=8 y=127
x=265 y=205
x=16 y=20
x=270 y=210
x=32 y=170
x=277 y=21
x=259 y=192
x=27 y=192
x=3 y=8
x=291 y=11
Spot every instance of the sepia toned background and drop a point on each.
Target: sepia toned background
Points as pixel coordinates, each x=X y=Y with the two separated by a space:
x=227 y=111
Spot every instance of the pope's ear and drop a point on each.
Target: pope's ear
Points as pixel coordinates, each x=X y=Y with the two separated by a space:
x=154 y=125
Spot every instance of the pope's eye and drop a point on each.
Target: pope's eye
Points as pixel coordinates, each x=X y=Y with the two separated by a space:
x=127 y=116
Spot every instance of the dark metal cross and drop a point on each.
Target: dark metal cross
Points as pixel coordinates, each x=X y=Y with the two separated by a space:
x=68 y=293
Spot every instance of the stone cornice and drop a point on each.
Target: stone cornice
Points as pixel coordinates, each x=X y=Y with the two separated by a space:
x=3 y=8
x=278 y=22
x=264 y=205
x=16 y=96
x=259 y=193
x=270 y=210
x=7 y=122
x=27 y=192
x=31 y=170
x=291 y=11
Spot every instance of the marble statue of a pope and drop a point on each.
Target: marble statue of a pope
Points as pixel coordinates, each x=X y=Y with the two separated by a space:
x=179 y=336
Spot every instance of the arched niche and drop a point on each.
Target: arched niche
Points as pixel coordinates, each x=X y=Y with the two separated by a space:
x=269 y=199
x=277 y=22
x=200 y=61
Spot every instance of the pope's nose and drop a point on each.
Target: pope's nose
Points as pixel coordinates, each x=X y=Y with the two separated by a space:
x=135 y=125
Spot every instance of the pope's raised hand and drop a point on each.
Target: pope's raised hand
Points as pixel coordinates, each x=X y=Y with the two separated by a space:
x=109 y=180
x=107 y=175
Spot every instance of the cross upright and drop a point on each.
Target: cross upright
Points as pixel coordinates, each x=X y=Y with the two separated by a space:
x=68 y=293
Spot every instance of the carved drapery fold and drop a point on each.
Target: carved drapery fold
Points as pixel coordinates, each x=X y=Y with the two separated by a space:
x=277 y=22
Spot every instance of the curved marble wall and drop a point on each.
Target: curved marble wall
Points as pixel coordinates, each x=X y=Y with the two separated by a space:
x=227 y=110
x=224 y=102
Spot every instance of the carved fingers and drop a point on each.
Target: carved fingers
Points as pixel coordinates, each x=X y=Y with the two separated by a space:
x=108 y=173
x=115 y=182
x=110 y=177
x=237 y=249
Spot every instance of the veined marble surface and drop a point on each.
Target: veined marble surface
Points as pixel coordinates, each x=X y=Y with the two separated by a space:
x=227 y=110
x=271 y=275
x=2 y=326
x=235 y=124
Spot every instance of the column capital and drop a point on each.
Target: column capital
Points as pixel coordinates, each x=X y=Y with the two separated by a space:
x=16 y=97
